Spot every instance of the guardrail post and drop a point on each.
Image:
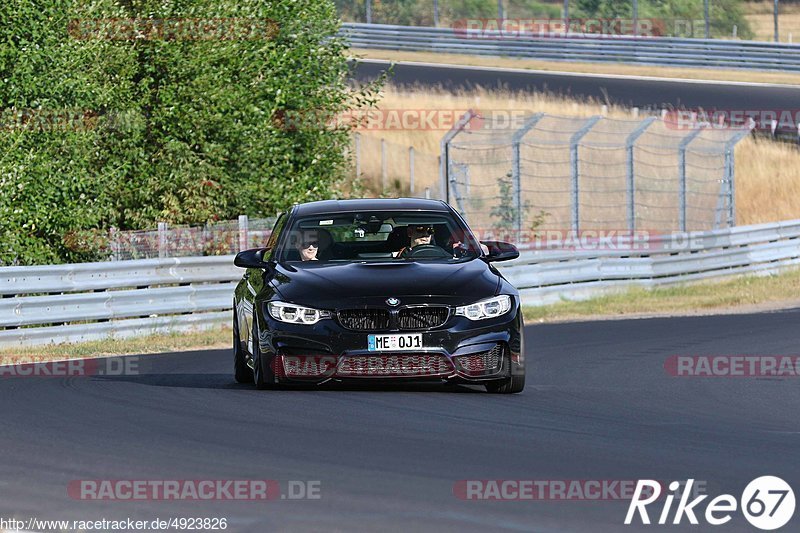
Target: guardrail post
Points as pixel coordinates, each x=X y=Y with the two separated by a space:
x=630 y=173
x=435 y=13
x=444 y=156
x=369 y=11
x=411 y=169
x=516 y=167
x=162 y=239
x=243 y=232
x=573 y=158
x=682 y=177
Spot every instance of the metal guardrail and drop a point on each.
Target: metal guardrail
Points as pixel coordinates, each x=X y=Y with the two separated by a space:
x=79 y=302
x=91 y=301
x=665 y=51
x=550 y=276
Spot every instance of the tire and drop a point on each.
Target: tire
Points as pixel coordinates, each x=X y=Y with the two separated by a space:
x=512 y=385
x=241 y=372
x=264 y=378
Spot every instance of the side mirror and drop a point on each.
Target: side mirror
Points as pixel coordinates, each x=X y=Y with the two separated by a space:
x=251 y=259
x=500 y=251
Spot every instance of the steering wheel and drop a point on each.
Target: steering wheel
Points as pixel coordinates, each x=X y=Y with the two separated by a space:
x=428 y=251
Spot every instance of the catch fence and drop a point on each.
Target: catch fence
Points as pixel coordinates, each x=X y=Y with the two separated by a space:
x=567 y=173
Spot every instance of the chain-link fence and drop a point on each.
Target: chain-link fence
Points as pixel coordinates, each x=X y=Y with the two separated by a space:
x=393 y=169
x=221 y=238
x=565 y=173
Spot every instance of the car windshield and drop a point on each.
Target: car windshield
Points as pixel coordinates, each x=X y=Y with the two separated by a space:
x=378 y=236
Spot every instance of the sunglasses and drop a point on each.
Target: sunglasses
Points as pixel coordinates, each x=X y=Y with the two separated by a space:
x=306 y=244
x=423 y=230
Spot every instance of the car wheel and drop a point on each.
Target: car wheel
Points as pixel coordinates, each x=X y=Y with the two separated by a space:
x=511 y=385
x=241 y=372
x=264 y=378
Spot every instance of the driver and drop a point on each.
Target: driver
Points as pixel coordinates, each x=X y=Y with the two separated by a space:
x=418 y=235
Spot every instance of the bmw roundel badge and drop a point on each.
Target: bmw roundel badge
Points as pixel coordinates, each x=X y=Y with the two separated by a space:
x=393 y=301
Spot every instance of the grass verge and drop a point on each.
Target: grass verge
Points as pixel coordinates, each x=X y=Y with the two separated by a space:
x=751 y=76
x=216 y=338
x=743 y=294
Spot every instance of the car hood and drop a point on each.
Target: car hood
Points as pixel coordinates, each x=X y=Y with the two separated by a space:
x=329 y=285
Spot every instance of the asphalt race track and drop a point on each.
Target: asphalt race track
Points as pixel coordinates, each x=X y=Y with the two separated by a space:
x=598 y=406
x=627 y=91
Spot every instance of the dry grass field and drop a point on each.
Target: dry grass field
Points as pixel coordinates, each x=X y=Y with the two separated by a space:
x=767 y=173
x=760 y=16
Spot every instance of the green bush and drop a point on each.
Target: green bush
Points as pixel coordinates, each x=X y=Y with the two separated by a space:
x=168 y=129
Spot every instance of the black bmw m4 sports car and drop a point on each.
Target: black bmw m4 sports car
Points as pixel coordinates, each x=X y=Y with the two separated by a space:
x=382 y=289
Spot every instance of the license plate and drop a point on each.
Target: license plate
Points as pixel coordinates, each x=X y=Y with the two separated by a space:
x=380 y=343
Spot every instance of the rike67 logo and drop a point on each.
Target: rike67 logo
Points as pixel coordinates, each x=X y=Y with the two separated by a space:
x=767 y=503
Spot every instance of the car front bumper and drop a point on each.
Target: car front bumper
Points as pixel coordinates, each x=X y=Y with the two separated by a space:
x=462 y=351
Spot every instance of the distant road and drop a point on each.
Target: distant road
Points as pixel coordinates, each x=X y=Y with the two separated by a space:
x=624 y=90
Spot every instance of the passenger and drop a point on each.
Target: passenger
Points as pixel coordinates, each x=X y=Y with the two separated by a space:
x=308 y=246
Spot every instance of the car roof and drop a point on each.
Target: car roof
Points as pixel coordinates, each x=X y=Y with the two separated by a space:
x=369 y=204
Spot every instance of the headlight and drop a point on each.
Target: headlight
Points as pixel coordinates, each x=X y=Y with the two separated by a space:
x=296 y=314
x=499 y=305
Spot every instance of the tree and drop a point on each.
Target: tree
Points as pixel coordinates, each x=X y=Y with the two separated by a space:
x=178 y=127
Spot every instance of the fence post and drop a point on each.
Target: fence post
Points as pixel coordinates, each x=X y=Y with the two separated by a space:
x=384 y=177
x=573 y=158
x=775 y=21
x=411 y=170
x=682 y=177
x=730 y=173
x=369 y=11
x=630 y=174
x=516 y=167
x=113 y=239
x=162 y=239
x=444 y=156
x=243 y=232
